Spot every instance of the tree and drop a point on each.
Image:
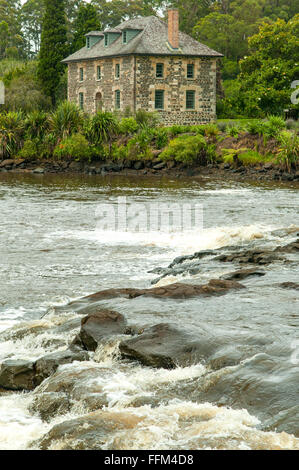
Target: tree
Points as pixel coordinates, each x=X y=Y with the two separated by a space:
x=273 y=64
x=87 y=19
x=53 y=47
x=31 y=15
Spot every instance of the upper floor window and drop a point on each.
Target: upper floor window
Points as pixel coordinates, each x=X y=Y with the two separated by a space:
x=190 y=99
x=81 y=74
x=159 y=99
x=117 y=99
x=81 y=100
x=124 y=37
x=99 y=72
x=117 y=71
x=190 y=70
x=159 y=70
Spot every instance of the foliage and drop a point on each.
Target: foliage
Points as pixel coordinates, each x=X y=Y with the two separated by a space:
x=128 y=126
x=187 y=149
x=101 y=127
x=67 y=119
x=53 y=47
x=11 y=133
x=146 y=119
x=76 y=146
x=289 y=149
x=87 y=19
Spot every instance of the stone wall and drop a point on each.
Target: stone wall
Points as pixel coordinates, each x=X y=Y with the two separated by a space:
x=100 y=94
x=175 y=84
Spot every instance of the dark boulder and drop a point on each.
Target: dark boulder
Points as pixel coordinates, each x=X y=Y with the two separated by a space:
x=47 y=365
x=17 y=374
x=89 y=432
x=165 y=346
x=50 y=404
x=100 y=325
x=289 y=285
x=243 y=274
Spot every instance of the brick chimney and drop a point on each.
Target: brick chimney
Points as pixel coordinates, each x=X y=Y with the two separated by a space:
x=173 y=28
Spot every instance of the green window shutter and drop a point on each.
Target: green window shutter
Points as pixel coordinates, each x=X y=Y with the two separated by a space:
x=124 y=37
x=81 y=74
x=190 y=99
x=190 y=71
x=99 y=75
x=117 y=99
x=159 y=70
x=117 y=71
x=81 y=100
x=106 y=39
x=159 y=99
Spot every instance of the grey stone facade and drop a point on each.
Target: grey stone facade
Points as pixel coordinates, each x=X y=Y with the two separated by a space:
x=94 y=81
x=137 y=83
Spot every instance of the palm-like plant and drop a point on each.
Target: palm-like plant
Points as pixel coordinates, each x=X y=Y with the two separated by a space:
x=36 y=124
x=66 y=120
x=11 y=133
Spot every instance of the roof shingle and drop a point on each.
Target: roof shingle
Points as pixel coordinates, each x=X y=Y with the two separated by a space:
x=152 y=40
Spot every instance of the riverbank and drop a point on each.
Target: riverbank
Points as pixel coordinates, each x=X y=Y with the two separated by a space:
x=155 y=168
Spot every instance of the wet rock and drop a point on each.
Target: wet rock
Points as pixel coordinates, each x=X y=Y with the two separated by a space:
x=243 y=274
x=68 y=326
x=50 y=404
x=159 y=166
x=289 y=285
x=39 y=170
x=176 y=291
x=99 y=325
x=256 y=385
x=138 y=165
x=89 y=432
x=290 y=248
x=8 y=163
x=197 y=255
x=17 y=375
x=47 y=365
x=261 y=257
x=164 y=346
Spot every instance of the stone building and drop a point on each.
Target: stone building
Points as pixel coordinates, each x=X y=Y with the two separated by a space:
x=149 y=64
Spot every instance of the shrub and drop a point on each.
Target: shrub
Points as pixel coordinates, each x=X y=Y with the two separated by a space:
x=291 y=124
x=161 y=137
x=66 y=120
x=255 y=127
x=274 y=126
x=75 y=146
x=177 y=129
x=36 y=125
x=146 y=119
x=139 y=146
x=188 y=149
x=29 y=150
x=128 y=126
x=11 y=133
x=289 y=149
x=101 y=127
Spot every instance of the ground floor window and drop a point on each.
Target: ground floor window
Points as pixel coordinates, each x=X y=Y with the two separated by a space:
x=159 y=99
x=81 y=100
x=117 y=99
x=190 y=99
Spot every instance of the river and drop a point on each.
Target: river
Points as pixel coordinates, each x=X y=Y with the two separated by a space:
x=53 y=250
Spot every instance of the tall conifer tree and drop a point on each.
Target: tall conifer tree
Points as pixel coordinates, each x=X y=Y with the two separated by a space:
x=53 y=46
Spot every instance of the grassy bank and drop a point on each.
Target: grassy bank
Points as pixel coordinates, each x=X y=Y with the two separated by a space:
x=69 y=134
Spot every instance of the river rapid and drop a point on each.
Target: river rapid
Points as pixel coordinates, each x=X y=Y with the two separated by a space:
x=53 y=251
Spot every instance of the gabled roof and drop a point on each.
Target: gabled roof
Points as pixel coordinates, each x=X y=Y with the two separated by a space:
x=151 y=40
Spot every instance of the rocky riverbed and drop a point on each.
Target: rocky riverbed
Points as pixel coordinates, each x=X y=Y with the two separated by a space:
x=176 y=348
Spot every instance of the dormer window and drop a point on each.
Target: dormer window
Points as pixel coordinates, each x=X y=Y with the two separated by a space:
x=88 y=42
x=124 y=37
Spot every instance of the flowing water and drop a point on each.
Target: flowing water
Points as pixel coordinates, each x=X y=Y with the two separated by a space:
x=52 y=251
